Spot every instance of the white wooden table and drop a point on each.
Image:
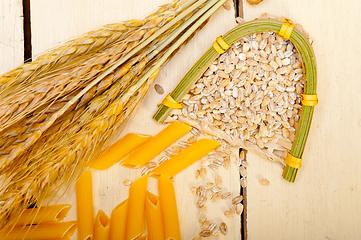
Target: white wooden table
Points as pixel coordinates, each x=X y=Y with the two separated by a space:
x=323 y=203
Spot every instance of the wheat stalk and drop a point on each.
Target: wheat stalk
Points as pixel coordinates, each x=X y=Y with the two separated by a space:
x=15 y=107
x=68 y=164
x=68 y=82
x=31 y=96
x=77 y=49
x=49 y=90
x=62 y=144
x=72 y=50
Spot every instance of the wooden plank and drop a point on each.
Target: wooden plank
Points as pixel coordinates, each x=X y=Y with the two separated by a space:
x=323 y=203
x=11 y=37
x=66 y=19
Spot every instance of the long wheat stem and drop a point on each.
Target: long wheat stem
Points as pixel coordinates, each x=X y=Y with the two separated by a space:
x=78 y=48
x=46 y=96
x=82 y=133
x=183 y=38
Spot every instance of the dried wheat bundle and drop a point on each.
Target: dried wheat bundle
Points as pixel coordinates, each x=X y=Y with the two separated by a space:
x=72 y=50
x=250 y=95
x=58 y=112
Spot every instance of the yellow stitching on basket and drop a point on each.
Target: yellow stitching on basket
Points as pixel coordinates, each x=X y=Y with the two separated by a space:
x=170 y=102
x=309 y=100
x=293 y=161
x=217 y=47
x=286 y=28
x=222 y=43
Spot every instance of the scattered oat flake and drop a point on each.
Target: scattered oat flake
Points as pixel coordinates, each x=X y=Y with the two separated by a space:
x=198 y=172
x=205 y=233
x=212 y=226
x=243 y=182
x=216 y=231
x=223 y=228
x=203 y=172
x=239 y=209
x=201 y=191
x=227 y=6
x=226 y=195
x=218 y=180
x=158 y=88
x=237 y=200
x=264 y=182
x=151 y=165
x=162 y=160
x=144 y=171
x=127 y=182
x=203 y=209
x=205 y=225
x=228 y=214
x=192 y=139
x=202 y=218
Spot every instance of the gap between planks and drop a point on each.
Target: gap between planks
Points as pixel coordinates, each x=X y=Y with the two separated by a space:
x=238 y=5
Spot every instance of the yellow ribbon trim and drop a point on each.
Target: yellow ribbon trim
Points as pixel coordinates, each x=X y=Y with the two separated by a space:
x=286 y=28
x=220 y=45
x=217 y=47
x=170 y=102
x=293 y=161
x=309 y=100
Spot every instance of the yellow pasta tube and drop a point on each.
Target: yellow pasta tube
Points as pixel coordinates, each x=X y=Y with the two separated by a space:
x=151 y=148
x=84 y=203
x=119 y=150
x=153 y=216
x=135 y=213
x=101 y=226
x=185 y=158
x=169 y=208
x=118 y=221
x=47 y=231
x=145 y=237
x=51 y=213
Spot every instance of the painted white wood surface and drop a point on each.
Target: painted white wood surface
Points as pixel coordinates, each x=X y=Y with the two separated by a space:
x=324 y=202
x=11 y=37
x=54 y=22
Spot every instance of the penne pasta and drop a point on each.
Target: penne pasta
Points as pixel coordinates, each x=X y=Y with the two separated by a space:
x=145 y=237
x=151 y=148
x=84 y=203
x=118 y=221
x=51 y=213
x=119 y=150
x=153 y=216
x=46 y=231
x=185 y=158
x=135 y=213
x=101 y=226
x=169 y=208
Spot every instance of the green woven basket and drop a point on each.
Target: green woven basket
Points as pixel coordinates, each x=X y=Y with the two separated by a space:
x=300 y=41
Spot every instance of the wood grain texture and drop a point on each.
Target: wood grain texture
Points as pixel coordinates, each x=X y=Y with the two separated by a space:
x=11 y=37
x=323 y=203
x=54 y=22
